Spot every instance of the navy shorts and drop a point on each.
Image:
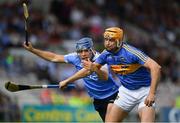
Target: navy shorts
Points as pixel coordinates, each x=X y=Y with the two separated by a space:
x=100 y=105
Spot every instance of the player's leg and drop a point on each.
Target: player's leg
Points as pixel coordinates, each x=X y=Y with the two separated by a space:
x=109 y=107
x=103 y=106
x=147 y=114
x=124 y=103
x=110 y=104
x=116 y=114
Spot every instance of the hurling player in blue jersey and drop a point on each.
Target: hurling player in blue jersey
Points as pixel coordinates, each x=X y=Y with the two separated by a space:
x=137 y=73
x=102 y=92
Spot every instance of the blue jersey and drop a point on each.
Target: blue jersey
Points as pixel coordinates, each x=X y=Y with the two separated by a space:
x=96 y=88
x=127 y=64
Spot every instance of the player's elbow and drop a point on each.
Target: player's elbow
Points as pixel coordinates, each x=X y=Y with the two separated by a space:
x=157 y=70
x=154 y=66
x=158 y=67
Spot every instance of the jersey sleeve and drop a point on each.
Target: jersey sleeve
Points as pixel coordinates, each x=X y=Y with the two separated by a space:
x=101 y=59
x=70 y=58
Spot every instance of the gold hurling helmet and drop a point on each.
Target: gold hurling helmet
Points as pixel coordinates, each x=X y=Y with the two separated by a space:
x=114 y=32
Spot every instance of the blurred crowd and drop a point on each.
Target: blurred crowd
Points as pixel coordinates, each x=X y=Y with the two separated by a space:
x=151 y=25
x=6 y=111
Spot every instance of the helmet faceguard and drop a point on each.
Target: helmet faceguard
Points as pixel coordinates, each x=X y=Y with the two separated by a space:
x=85 y=44
x=114 y=33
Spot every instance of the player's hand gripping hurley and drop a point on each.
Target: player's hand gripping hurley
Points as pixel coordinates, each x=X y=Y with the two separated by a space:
x=13 y=87
x=26 y=16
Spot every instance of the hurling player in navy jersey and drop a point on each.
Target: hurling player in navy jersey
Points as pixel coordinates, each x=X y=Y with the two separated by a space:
x=103 y=92
x=137 y=72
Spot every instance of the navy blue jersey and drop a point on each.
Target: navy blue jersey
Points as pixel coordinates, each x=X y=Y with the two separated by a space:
x=96 y=88
x=127 y=64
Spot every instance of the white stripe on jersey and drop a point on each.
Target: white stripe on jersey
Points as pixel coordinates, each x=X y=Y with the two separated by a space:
x=96 y=55
x=136 y=52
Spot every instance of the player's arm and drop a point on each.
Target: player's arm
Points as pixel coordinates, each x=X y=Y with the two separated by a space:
x=44 y=54
x=100 y=70
x=102 y=74
x=155 y=76
x=78 y=75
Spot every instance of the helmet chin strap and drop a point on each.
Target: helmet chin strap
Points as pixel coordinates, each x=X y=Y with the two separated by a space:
x=93 y=54
x=119 y=43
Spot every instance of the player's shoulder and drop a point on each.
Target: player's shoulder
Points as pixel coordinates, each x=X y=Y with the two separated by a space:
x=105 y=52
x=128 y=46
x=131 y=49
x=72 y=56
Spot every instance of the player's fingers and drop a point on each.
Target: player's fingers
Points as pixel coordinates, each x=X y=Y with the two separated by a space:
x=61 y=86
x=150 y=103
x=85 y=64
x=145 y=102
x=26 y=46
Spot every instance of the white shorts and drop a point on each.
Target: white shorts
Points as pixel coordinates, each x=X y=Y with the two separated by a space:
x=128 y=99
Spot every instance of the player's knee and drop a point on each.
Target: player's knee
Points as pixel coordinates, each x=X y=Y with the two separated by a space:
x=147 y=114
